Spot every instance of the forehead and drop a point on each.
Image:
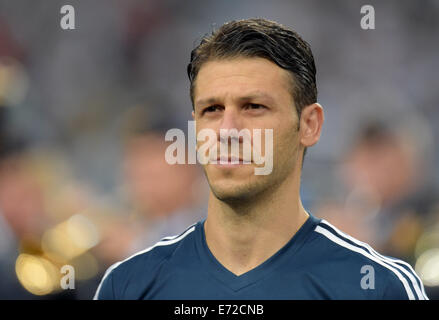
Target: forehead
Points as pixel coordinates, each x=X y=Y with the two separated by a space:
x=240 y=76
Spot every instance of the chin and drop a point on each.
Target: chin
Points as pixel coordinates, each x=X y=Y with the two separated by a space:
x=228 y=196
x=236 y=185
x=235 y=192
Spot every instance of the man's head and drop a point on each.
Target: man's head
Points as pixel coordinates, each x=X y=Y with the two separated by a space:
x=255 y=74
x=264 y=39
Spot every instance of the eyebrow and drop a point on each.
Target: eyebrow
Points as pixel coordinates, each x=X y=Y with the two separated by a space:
x=251 y=96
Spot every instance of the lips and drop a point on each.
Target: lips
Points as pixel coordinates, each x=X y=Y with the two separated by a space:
x=229 y=160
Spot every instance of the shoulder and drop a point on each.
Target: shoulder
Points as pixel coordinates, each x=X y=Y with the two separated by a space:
x=392 y=278
x=141 y=267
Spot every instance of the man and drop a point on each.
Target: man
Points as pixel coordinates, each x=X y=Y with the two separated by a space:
x=258 y=242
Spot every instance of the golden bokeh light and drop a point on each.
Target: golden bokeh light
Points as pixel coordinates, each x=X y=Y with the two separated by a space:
x=427 y=267
x=36 y=274
x=70 y=238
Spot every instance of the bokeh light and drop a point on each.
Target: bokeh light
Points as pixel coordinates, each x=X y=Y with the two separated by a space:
x=37 y=274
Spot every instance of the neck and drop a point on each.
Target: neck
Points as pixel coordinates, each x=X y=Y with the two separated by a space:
x=242 y=236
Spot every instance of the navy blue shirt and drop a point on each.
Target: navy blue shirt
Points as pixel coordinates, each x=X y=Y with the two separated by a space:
x=318 y=262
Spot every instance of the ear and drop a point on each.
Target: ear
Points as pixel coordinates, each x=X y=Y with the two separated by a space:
x=311 y=122
x=193 y=114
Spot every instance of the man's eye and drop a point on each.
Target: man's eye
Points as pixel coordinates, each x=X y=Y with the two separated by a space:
x=254 y=106
x=210 y=109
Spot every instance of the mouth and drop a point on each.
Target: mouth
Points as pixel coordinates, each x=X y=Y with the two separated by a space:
x=230 y=161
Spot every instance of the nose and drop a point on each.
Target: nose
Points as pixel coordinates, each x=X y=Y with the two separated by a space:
x=230 y=122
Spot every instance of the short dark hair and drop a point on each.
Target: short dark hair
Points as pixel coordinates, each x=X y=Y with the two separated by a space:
x=265 y=39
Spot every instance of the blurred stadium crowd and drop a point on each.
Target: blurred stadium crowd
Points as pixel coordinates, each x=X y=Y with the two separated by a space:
x=83 y=112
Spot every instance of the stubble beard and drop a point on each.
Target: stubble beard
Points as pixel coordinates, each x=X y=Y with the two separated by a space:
x=255 y=188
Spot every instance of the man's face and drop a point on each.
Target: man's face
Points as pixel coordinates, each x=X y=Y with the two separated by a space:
x=247 y=93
